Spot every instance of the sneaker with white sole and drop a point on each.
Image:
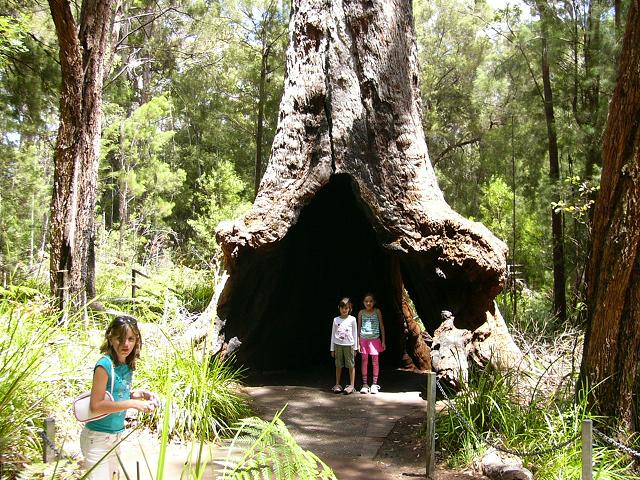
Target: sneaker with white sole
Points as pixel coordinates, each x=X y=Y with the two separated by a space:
x=375 y=388
x=364 y=389
x=336 y=389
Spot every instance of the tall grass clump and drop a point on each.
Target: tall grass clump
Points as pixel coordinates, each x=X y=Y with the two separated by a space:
x=24 y=332
x=204 y=390
x=492 y=408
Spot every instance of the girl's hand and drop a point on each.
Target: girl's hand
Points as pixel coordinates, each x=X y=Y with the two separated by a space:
x=145 y=395
x=333 y=354
x=144 y=406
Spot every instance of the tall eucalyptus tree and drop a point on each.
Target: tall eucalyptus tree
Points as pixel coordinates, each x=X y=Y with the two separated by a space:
x=612 y=343
x=84 y=52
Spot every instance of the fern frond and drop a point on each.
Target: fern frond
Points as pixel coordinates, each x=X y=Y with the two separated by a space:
x=270 y=451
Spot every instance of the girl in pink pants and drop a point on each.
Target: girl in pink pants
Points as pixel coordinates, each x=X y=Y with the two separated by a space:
x=372 y=342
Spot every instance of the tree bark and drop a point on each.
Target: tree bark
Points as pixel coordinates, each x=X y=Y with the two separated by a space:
x=83 y=48
x=559 y=281
x=612 y=342
x=349 y=202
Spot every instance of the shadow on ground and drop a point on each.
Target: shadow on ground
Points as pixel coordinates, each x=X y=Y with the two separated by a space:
x=323 y=377
x=358 y=436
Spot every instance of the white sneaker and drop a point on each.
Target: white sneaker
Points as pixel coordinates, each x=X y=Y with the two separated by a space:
x=364 y=389
x=375 y=388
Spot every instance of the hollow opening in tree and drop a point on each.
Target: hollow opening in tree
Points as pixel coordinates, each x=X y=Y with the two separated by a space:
x=330 y=253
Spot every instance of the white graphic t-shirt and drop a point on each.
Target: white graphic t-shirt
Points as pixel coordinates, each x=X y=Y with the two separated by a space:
x=344 y=332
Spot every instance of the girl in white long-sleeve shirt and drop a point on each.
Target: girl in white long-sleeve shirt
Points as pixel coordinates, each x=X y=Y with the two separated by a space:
x=344 y=345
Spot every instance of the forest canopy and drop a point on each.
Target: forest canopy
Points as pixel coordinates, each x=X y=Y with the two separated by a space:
x=190 y=107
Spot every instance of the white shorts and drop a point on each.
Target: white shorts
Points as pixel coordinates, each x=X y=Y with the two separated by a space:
x=94 y=446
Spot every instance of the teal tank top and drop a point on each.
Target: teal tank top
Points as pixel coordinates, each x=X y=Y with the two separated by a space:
x=370 y=328
x=114 y=423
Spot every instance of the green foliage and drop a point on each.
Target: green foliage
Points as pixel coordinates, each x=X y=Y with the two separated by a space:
x=268 y=450
x=136 y=144
x=195 y=289
x=170 y=288
x=22 y=345
x=27 y=118
x=220 y=197
x=12 y=33
x=533 y=316
x=493 y=407
x=63 y=470
x=24 y=198
x=496 y=212
x=205 y=400
x=578 y=198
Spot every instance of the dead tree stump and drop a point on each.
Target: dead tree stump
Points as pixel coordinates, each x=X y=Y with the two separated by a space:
x=349 y=202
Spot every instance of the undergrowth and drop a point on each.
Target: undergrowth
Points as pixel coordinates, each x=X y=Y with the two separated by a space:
x=492 y=407
x=47 y=358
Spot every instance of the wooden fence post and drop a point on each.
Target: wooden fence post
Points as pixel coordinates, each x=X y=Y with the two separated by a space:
x=431 y=423
x=587 y=450
x=48 y=452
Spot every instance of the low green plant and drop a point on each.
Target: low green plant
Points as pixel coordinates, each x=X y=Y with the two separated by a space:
x=197 y=296
x=489 y=408
x=263 y=450
x=533 y=312
x=206 y=401
x=62 y=470
x=22 y=346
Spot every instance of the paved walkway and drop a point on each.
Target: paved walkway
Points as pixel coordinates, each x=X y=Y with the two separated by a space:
x=345 y=431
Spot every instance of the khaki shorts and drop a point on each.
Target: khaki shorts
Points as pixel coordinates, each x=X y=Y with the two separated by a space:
x=345 y=356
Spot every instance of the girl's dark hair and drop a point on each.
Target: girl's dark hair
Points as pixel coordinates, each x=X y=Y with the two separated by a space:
x=119 y=328
x=369 y=294
x=345 y=302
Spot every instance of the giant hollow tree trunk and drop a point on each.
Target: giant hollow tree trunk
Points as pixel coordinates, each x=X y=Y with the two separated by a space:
x=349 y=203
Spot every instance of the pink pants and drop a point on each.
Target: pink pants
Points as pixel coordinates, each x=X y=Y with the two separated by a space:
x=365 y=367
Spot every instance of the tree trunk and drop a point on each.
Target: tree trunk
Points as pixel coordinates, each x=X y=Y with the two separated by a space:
x=559 y=293
x=612 y=342
x=349 y=203
x=83 y=48
x=267 y=44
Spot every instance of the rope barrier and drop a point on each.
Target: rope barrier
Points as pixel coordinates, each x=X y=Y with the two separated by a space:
x=617 y=444
x=537 y=452
x=533 y=453
x=59 y=454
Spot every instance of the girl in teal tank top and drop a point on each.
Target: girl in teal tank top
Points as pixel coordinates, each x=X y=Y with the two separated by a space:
x=121 y=349
x=372 y=341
